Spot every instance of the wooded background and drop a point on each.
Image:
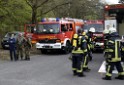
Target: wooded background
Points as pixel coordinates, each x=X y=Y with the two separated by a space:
x=15 y=13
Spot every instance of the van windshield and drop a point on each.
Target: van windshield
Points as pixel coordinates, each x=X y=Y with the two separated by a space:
x=10 y=34
x=48 y=28
x=98 y=27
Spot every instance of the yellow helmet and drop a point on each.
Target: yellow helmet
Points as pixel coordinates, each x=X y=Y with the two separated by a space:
x=75 y=35
x=83 y=33
x=112 y=29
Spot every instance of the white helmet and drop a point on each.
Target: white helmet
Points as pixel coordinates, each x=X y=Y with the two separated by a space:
x=112 y=29
x=92 y=29
x=106 y=31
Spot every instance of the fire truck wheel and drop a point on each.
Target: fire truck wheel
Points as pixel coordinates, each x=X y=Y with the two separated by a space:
x=67 y=48
x=43 y=51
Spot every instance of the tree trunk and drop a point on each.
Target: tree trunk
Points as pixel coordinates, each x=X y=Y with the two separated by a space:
x=34 y=16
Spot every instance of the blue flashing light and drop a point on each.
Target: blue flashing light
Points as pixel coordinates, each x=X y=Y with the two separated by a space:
x=57 y=19
x=43 y=20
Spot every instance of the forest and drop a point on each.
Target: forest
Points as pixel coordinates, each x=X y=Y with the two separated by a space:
x=15 y=13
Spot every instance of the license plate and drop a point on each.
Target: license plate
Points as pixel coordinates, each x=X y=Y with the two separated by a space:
x=6 y=45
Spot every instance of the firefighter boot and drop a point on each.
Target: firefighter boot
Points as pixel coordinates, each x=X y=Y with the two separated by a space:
x=106 y=78
x=74 y=73
x=81 y=75
x=86 y=69
x=120 y=77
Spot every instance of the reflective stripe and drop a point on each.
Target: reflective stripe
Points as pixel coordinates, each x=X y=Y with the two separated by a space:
x=116 y=50
x=79 y=71
x=85 y=50
x=107 y=73
x=84 y=64
x=84 y=40
x=79 y=51
x=115 y=59
x=121 y=73
x=123 y=49
x=111 y=41
x=109 y=50
x=74 y=69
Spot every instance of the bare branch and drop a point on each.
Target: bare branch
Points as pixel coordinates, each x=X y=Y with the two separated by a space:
x=42 y=3
x=28 y=2
x=55 y=7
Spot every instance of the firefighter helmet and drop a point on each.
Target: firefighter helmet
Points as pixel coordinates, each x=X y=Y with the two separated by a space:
x=92 y=29
x=79 y=31
x=112 y=30
x=83 y=33
x=75 y=35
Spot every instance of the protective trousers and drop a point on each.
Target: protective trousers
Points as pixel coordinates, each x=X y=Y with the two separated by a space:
x=77 y=63
x=111 y=66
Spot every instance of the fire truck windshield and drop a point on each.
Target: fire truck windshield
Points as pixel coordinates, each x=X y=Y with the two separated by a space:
x=48 y=28
x=98 y=27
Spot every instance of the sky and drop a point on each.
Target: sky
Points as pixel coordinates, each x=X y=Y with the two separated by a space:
x=112 y=1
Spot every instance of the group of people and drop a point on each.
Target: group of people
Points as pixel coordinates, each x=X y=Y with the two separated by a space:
x=113 y=52
x=20 y=48
x=82 y=44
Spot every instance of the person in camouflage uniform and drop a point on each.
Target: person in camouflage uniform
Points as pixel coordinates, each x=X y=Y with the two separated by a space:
x=27 y=47
x=20 y=46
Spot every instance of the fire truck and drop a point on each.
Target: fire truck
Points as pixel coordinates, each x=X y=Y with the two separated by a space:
x=55 y=34
x=97 y=36
x=114 y=17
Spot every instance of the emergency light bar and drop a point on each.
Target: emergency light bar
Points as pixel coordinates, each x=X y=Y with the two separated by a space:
x=74 y=19
x=49 y=19
x=62 y=19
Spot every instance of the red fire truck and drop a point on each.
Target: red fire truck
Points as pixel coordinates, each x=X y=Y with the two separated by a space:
x=55 y=34
x=114 y=17
x=98 y=35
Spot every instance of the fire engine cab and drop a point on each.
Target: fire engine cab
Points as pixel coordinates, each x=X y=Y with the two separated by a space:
x=97 y=36
x=55 y=34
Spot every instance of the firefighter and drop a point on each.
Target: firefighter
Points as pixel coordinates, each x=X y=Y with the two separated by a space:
x=27 y=47
x=85 y=48
x=90 y=42
x=77 y=56
x=106 y=36
x=113 y=56
x=12 y=48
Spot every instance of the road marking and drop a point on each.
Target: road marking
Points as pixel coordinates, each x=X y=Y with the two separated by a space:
x=103 y=67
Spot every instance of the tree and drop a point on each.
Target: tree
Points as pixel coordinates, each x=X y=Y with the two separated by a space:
x=42 y=7
x=13 y=14
x=86 y=9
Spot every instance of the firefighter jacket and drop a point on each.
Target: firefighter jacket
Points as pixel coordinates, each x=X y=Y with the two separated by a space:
x=112 y=50
x=122 y=50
